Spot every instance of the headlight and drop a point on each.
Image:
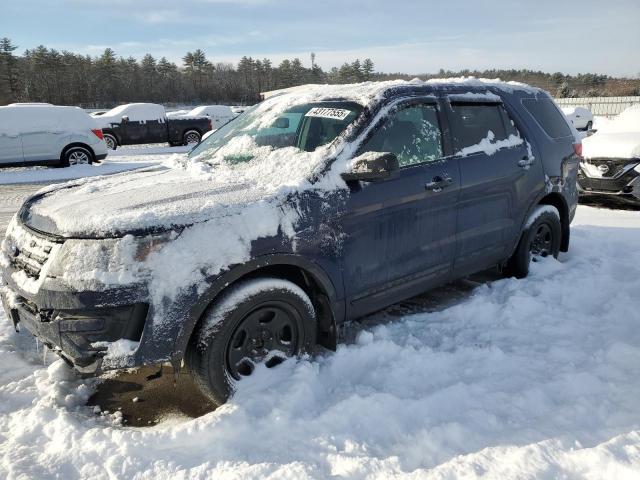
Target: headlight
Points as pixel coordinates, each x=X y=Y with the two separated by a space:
x=637 y=168
x=152 y=243
x=108 y=261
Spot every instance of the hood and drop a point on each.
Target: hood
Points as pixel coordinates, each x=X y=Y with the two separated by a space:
x=147 y=200
x=612 y=145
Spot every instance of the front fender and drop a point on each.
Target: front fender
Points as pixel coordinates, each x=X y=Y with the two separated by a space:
x=179 y=320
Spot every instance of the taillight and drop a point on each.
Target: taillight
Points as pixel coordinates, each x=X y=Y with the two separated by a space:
x=98 y=133
x=577 y=147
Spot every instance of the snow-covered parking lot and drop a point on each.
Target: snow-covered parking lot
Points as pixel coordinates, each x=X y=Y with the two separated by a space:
x=534 y=378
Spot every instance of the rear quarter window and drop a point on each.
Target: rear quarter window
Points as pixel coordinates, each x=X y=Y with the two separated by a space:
x=472 y=122
x=548 y=116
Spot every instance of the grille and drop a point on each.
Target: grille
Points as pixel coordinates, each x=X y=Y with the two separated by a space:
x=607 y=184
x=615 y=166
x=31 y=255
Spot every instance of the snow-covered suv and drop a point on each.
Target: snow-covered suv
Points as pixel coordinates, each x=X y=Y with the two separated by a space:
x=316 y=206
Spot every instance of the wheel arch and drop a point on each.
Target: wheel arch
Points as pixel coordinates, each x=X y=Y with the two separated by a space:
x=76 y=144
x=108 y=131
x=557 y=200
x=301 y=271
x=191 y=129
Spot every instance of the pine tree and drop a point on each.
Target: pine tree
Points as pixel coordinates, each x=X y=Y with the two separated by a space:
x=367 y=69
x=8 y=71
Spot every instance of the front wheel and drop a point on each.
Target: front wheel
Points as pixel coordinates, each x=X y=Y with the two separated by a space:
x=589 y=125
x=191 y=137
x=263 y=320
x=541 y=238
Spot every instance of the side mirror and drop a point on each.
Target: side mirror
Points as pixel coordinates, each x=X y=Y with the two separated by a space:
x=372 y=166
x=281 y=122
x=125 y=119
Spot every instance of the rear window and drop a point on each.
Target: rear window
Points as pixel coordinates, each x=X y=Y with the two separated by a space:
x=472 y=122
x=548 y=116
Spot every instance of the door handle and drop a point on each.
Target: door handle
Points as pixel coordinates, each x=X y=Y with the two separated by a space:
x=526 y=162
x=438 y=183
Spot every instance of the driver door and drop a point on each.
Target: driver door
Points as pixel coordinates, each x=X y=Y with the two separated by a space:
x=400 y=232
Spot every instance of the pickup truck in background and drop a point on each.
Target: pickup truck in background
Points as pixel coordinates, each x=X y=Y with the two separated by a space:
x=138 y=123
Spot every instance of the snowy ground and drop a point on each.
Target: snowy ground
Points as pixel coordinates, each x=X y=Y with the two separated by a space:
x=534 y=378
x=120 y=160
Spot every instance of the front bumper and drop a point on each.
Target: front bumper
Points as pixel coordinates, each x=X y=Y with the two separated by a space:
x=71 y=333
x=619 y=177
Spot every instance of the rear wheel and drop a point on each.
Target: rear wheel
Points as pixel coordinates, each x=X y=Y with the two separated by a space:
x=264 y=320
x=541 y=238
x=76 y=156
x=111 y=141
x=191 y=137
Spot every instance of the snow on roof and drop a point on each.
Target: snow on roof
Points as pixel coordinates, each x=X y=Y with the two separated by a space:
x=20 y=119
x=135 y=112
x=366 y=91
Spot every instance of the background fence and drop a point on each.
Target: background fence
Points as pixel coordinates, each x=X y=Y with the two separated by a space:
x=606 y=106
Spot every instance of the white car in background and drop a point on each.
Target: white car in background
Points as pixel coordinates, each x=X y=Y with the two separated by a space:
x=581 y=118
x=219 y=114
x=177 y=113
x=48 y=135
x=611 y=158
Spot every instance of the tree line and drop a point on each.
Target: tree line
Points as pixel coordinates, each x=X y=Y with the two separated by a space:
x=66 y=78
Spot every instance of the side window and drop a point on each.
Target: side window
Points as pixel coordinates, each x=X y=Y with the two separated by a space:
x=548 y=116
x=411 y=133
x=472 y=123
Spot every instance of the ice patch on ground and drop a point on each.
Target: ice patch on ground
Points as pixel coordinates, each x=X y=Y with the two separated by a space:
x=525 y=379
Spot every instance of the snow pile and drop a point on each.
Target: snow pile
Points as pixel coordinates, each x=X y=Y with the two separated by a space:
x=117 y=351
x=617 y=138
x=537 y=378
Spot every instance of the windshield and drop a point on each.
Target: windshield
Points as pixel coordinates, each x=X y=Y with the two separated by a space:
x=304 y=127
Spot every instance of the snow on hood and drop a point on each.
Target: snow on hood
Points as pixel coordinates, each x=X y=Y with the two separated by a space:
x=612 y=145
x=149 y=198
x=618 y=138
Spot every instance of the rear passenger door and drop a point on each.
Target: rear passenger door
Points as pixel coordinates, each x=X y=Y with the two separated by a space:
x=498 y=176
x=10 y=137
x=400 y=232
x=40 y=138
x=157 y=131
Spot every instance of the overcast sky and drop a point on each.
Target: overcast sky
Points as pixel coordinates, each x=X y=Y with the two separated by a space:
x=408 y=36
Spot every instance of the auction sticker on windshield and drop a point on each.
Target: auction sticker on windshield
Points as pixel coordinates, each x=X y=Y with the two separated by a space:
x=323 y=112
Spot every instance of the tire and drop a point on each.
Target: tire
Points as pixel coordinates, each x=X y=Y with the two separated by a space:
x=77 y=156
x=261 y=320
x=111 y=141
x=589 y=125
x=191 y=137
x=541 y=238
